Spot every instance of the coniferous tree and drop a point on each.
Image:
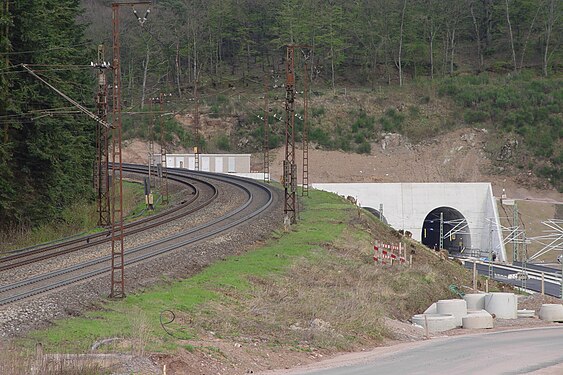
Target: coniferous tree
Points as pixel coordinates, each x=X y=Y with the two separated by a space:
x=48 y=163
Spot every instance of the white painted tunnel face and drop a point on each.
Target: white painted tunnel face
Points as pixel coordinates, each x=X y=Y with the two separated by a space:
x=455 y=234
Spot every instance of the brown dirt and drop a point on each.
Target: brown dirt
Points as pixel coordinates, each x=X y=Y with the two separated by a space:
x=458 y=156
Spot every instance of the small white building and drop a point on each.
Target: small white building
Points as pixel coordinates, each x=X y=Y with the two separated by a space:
x=219 y=163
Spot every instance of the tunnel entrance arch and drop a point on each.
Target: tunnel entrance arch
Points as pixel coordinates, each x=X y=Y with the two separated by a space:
x=456 y=236
x=376 y=213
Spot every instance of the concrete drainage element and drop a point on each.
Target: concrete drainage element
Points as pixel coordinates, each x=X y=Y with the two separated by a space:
x=477 y=320
x=551 y=312
x=475 y=301
x=456 y=307
x=436 y=322
x=431 y=309
x=502 y=305
x=526 y=313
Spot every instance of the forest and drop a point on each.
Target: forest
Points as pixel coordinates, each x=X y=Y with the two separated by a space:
x=46 y=152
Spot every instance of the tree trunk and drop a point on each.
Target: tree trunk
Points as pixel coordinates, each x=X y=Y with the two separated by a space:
x=146 y=69
x=511 y=36
x=432 y=55
x=528 y=38
x=332 y=55
x=178 y=69
x=452 y=44
x=549 y=22
x=477 y=35
x=6 y=14
x=401 y=43
x=488 y=4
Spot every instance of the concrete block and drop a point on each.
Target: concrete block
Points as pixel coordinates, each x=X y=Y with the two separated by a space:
x=526 y=313
x=431 y=309
x=436 y=322
x=551 y=312
x=502 y=305
x=475 y=301
x=456 y=307
x=477 y=320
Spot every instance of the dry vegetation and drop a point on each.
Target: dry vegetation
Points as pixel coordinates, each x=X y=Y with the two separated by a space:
x=335 y=299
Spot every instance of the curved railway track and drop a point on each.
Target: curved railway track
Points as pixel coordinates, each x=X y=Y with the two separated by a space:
x=258 y=198
x=532 y=275
x=202 y=194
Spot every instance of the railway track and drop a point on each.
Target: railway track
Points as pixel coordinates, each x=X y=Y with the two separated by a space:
x=257 y=198
x=527 y=278
x=202 y=194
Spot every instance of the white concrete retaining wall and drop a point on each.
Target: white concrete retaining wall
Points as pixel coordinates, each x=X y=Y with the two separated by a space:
x=406 y=205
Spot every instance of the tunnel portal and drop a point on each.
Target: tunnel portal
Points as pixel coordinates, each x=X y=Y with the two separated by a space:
x=455 y=231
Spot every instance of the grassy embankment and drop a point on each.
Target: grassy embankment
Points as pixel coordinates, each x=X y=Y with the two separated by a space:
x=79 y=218
x=322 y=269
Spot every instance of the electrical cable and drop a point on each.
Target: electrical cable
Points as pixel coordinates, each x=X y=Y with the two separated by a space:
x=43 y=50
x=170 y=320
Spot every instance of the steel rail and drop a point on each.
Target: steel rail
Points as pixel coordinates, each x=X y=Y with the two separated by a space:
x=533 y=276
x=134 y=227
x=152 y=245
x=79 y=238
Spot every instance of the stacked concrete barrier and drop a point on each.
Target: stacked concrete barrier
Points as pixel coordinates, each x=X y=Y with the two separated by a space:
x=551 y=312
x=456 y=307
x=502 y=305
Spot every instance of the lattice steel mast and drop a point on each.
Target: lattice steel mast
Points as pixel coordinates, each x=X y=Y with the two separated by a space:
x=164 y=169
x=305 y=136
x=266 y=131
x=101 y=179
x=289 y=166
x=197 y=147
x=117 y=234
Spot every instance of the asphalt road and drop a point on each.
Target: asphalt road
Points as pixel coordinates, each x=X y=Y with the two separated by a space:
x=535 y=351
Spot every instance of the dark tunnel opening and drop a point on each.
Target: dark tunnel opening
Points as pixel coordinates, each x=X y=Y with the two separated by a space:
x=455 y=231
x=376 y=213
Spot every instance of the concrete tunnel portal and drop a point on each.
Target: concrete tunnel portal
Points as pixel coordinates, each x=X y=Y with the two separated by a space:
x=471 y=219
x=455 y=230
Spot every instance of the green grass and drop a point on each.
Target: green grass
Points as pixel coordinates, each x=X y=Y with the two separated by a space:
x=321 y=224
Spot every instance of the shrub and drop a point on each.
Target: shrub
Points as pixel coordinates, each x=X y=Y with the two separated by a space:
x=364 y=148
x=223 y=142
x=392 y=121
x=471 y=116
x=320 y=136
x=317 y=111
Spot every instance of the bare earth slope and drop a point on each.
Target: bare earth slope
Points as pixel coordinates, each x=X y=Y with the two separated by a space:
x=458 y=156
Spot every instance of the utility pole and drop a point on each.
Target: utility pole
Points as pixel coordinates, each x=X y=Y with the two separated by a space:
x=266 y=131
x=151 y=145
x=164 y=180
x=117 y=234
x=441 y=230
x=289 y=166
x=516 y=234
x=197 y=147
x=305 y=186
x=101 y=178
